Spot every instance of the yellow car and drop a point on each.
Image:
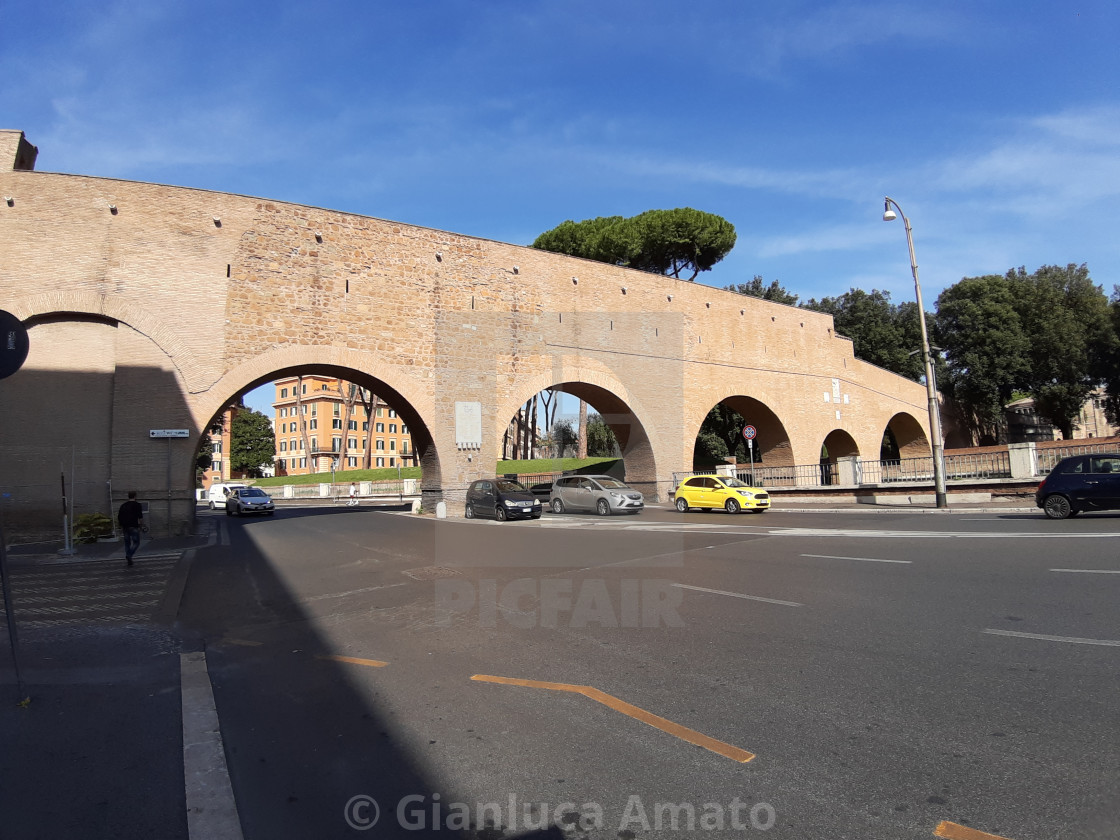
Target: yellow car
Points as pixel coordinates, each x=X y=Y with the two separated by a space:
x=719 y=491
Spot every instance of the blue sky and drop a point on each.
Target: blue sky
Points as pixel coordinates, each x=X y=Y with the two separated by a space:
x=995 y=125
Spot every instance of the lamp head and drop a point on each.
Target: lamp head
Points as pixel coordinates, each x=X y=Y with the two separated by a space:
x=888 y=214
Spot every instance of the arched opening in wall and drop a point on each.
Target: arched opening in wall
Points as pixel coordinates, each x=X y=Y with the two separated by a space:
x=904 y=438
x=721 y=440
x=314 y=425
x=546 y=432
x=838 y=444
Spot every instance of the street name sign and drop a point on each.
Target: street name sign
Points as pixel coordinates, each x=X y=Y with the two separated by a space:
x=169 y=433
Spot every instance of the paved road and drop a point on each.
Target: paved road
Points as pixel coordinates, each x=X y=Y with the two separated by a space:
x=787 y=675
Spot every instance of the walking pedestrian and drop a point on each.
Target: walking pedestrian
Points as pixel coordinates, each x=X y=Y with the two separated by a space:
x=353 y=494
x=131 y=519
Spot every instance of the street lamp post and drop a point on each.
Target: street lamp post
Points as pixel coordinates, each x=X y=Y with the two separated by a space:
x=938 y=445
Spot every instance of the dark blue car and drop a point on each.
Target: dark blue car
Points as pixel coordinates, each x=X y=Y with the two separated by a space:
x=1083 y=482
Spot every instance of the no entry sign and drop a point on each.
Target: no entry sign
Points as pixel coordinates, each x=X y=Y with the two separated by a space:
x=13 y=344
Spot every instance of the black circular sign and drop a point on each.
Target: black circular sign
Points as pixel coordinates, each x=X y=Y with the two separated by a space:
x=13 y=344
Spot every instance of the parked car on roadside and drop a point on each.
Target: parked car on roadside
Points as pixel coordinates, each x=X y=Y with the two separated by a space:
x=502 y=499
x=243 y=500
x=1079 y=483
x=602 y=494
x=720 y=491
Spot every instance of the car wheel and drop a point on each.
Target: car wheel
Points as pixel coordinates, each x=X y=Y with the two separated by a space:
x=469 y=511
x=603 y=507
x=210 y=505
x=731 y=506
x=500 y=513
x=682 y=504
x=557 y=506
x=1057 y=506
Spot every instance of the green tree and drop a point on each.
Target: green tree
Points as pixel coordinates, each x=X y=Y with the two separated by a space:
x=252 y=442
x=668 y=242
x=204 y=460
x=724 y=424
x=757 y=288
x=601 y=442
x=1066 y=316
x=882 y=333
x=986 y=349
x=1108 y=362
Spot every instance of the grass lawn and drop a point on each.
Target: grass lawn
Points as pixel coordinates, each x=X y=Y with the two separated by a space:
x=539 y=465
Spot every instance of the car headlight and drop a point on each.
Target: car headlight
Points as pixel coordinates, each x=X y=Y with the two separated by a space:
x=618 y=496
x=509 y=503
x=746 y=493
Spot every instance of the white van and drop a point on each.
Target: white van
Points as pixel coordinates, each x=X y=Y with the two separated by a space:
x=216 y=495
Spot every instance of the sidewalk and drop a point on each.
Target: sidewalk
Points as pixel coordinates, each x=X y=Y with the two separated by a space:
x=98 y=752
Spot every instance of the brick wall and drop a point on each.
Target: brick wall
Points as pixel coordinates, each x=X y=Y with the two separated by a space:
x=221 y=292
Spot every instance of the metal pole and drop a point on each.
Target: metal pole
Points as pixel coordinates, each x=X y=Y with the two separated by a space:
x=169 y=486
x=937 y=444
x=10 y=616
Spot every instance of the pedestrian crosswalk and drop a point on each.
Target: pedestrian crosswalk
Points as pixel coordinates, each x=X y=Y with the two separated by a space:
x=90 y=591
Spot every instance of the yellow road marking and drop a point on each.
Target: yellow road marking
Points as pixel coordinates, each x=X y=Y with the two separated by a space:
x=354 y=660
x=675 y=729
x=952 y=831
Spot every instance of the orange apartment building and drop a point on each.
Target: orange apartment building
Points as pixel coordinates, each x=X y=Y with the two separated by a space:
x=313 y=431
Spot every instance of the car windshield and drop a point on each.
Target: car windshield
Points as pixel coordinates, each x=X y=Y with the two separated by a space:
x=733 y=482
x=612 y=483
x=510 y=487
x=254 y=492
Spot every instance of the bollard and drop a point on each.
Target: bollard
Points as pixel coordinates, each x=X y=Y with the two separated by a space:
x=441 y=510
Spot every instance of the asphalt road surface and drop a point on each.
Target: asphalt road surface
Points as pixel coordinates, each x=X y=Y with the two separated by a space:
x=786 y=675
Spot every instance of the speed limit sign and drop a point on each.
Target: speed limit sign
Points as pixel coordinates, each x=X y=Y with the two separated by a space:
x=749 y=432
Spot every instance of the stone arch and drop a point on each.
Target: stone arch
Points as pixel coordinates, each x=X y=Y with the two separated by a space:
x=840 y=444
x=909 y=435
x=360 y=367
x=164 y=335
x=615 y=404
x=773 y=447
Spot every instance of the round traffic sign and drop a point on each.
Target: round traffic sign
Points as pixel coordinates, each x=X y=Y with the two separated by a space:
x=13 y=344
x=749 y=432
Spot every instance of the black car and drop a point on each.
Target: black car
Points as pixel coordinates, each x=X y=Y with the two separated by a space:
x=501 y=498
x=1083 y=482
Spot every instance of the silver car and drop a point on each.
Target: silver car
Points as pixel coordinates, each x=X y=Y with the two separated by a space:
x=243 y=500
x=600 y=493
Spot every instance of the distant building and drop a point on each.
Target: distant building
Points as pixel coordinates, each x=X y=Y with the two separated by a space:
x=314 y=433
x=1025 y=425
x=220 y=446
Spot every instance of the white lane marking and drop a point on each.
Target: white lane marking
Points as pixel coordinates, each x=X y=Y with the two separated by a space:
x=345 y=594
x=862 y=559
x=739 y=595
x=1089 y=571
x=1068 y=639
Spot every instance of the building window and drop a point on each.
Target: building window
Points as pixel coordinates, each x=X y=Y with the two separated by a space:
x=336 y=424
x=404 y=447
x=303 y=463
x=216 y=466
x=352 y=425
x=392 y=446
x=337 y=409
x=365 y=426
x=379 y=414
x=336 y=444
x=217 y=447
x=380 y=428
x=392 y=428
x=304 y=391
x=392 y=413
x=380 y=446
x=283 y=393
x=352 y=443
x=404 y=429
x=353 y=462
x=392 y=462
x=380 y=462
x=283 y=446
x=314 y=424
